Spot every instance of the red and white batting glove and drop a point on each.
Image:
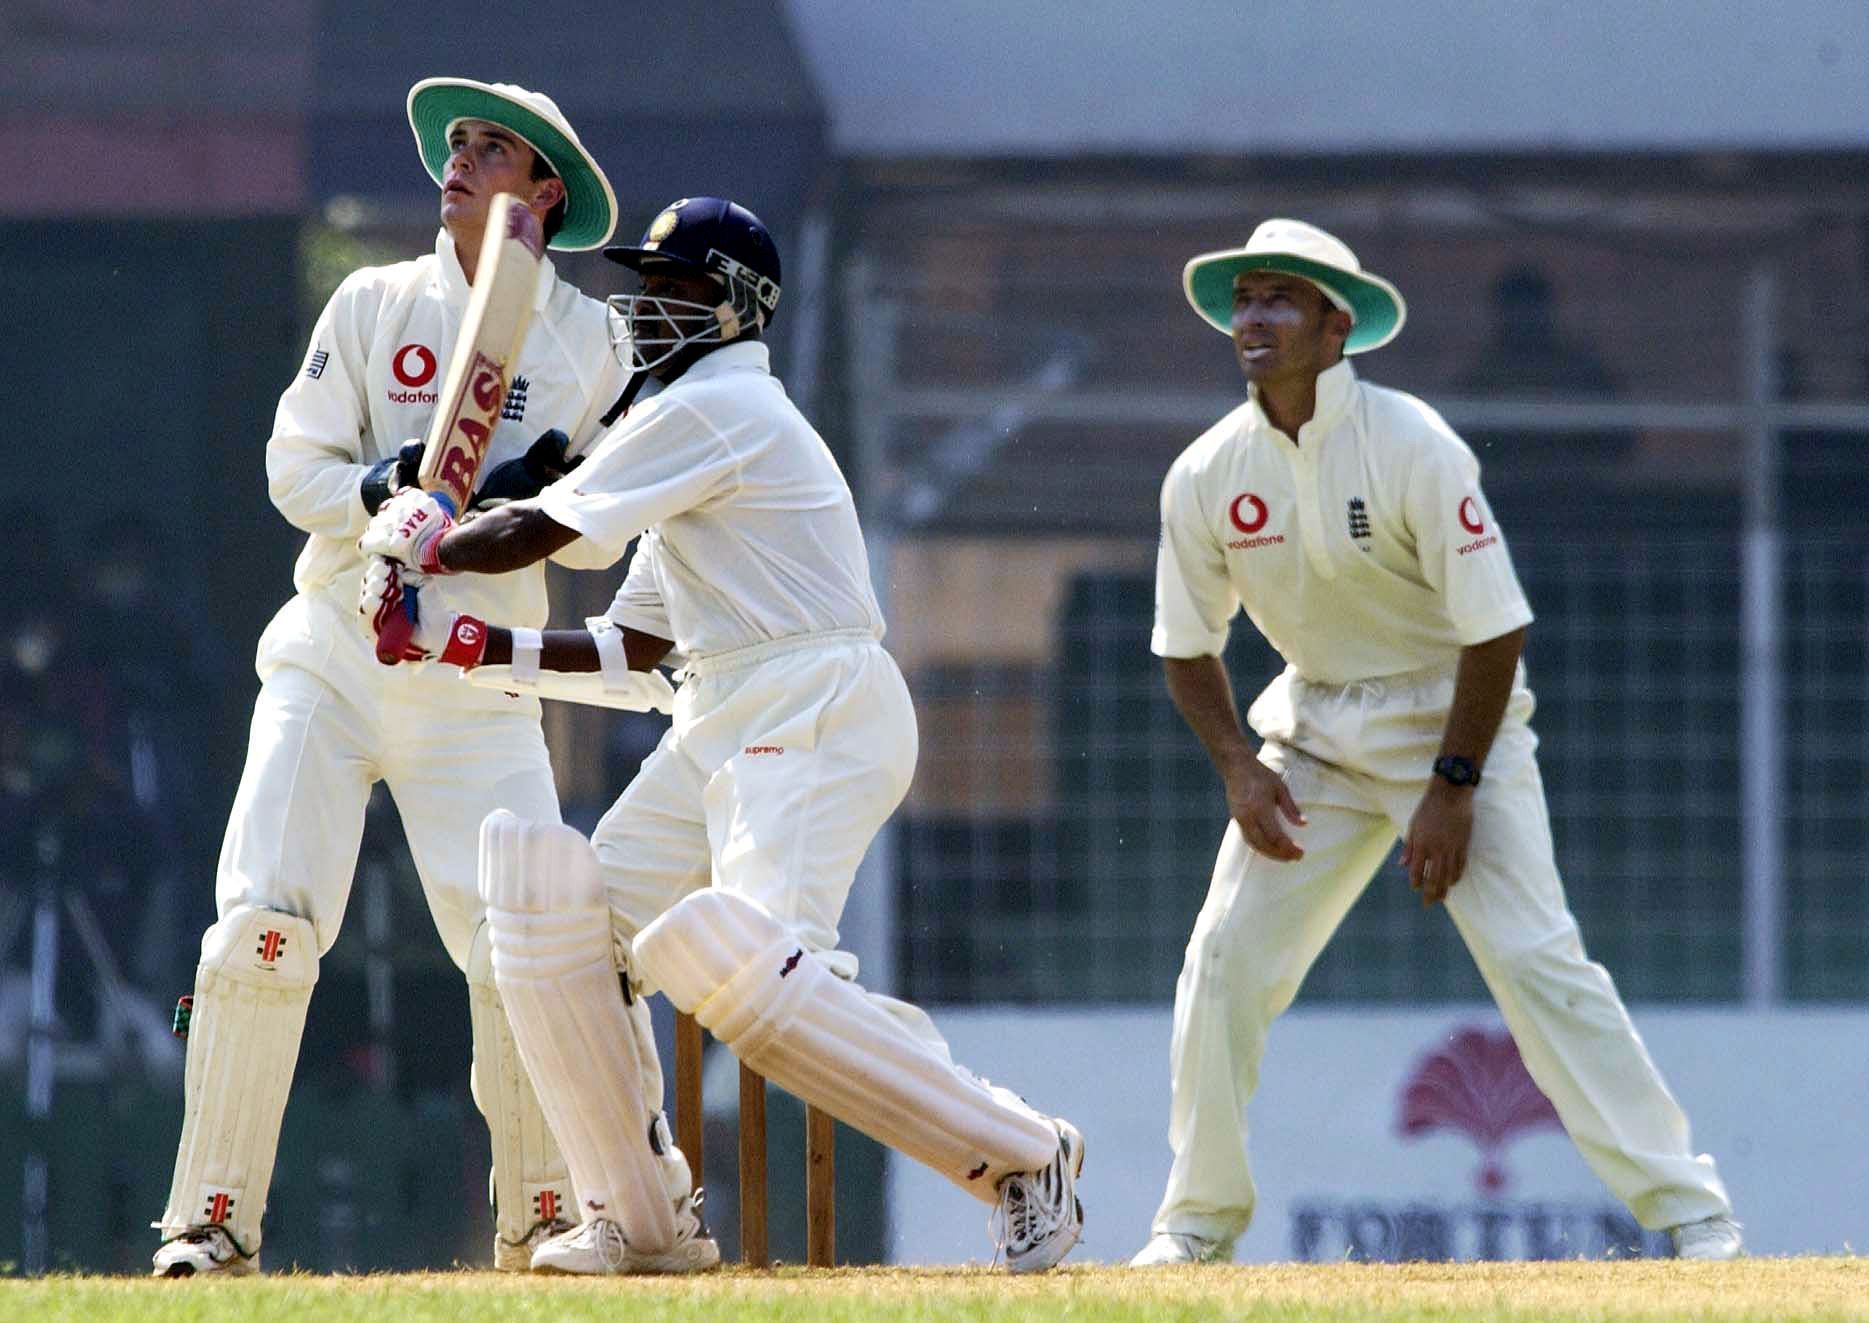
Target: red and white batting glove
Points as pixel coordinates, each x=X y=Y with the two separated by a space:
x=404 y=632
x=408 y=530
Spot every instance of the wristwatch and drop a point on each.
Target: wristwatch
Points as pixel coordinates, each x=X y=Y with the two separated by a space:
x=1456 y=771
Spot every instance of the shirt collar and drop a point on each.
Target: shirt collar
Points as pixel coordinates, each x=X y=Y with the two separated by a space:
x=1335 y=385
x=454 y=280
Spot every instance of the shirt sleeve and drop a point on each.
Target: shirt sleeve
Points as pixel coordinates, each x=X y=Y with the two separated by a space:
x=1460 y=546
x=1194 y=597
x=664 y=460
x=314 y=461
x=583 y=554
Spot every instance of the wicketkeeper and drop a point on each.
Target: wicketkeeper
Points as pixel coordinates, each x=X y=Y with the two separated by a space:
x=330 y=721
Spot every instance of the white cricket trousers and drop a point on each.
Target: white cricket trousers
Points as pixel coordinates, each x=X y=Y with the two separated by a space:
x=315 y=750
x=783 y=762
x=1355 y=758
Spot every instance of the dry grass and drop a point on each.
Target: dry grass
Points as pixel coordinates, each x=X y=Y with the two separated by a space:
x=1802 y=1288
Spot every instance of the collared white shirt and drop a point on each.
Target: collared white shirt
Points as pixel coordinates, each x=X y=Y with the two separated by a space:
x=1364 y=550
x=370 y=381
x=749 y=530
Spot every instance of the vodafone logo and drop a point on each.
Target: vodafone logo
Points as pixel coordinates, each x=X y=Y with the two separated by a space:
x=1252 y=523
x=1470 y=516
x=1249 y=515
x=414 y=365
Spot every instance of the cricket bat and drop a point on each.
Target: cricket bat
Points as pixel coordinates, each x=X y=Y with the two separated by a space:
x=493 y=331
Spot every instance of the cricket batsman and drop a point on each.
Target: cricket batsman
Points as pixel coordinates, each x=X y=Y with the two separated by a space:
x=330 y=721
x=1347 y=520
x=723 y=869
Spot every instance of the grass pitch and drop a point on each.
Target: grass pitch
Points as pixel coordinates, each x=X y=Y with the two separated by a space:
x=1787 y=1289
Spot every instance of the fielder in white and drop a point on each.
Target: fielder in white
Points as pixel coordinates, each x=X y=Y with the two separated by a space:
x=330 y=720
x=1348 y=521
x=722 y=870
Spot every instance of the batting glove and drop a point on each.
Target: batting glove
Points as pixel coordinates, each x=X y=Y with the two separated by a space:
x=406 y=632
x=408 y=530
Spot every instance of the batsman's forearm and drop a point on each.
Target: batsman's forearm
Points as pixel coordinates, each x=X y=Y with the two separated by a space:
x=1482 y=687
x=574 y=651
x=500 y=541
x=1203 y=695
x=569 y=651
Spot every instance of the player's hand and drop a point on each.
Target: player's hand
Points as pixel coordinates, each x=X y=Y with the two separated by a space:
x=386 y=599
x=1262 y=803
x=544 y=463
x=408 y=530
x=387 y=477
x=1434 y=851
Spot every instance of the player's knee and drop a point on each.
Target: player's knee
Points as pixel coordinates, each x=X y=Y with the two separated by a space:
x=722 y=950
x=257 y=945
x=536 y=867
x=1549 y=966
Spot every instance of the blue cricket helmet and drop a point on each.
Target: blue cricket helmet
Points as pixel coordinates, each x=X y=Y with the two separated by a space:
x=721 y=239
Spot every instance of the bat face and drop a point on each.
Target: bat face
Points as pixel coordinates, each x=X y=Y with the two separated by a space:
x=469 y=431
x=493 y=331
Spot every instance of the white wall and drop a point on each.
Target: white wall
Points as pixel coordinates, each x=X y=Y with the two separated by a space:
x=1057 y=77
x=1779 y=1099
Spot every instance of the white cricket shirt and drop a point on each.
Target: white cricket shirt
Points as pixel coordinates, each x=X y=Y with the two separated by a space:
x=1365 y=550
x=749 y=530
x=369 y=383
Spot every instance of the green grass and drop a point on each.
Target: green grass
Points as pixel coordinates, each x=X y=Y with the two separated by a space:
x=1789 y=1289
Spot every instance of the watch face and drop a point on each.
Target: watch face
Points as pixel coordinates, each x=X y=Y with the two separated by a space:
x=1457 y=771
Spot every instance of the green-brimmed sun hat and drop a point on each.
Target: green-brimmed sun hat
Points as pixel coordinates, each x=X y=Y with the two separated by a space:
x=1298 y=249
x=436 y=105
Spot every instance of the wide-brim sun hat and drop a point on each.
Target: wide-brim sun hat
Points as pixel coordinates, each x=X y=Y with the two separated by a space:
x=1303 y=250
x=436 y=105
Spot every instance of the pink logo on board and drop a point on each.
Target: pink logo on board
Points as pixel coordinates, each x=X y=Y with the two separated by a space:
x=1476 y=1086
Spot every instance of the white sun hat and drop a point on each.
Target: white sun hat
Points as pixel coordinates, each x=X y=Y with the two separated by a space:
x=1299 y=249
x=436 y=105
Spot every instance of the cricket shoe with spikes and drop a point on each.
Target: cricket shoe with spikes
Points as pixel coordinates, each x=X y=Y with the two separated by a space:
x=1039 y=1217
x=598 y=1248
x=511 y=1256
x=201 y=1251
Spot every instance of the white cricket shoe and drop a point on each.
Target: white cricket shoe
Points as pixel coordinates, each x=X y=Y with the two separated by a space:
x=201 y=1250
x=598 y=1249
x=1039 y=1217
x=509 y=1256
x=1168 y=1247
x=1715 y=1237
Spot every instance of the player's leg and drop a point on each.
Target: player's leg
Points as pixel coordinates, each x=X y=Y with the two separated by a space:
x=450 y=770
x=530 y=1182
x=1572 y=1031
x=285 y=871
x=584 y=1035
x=792 y=804
x=1260 y=930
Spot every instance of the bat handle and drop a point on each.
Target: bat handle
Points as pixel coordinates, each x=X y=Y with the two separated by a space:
x=393 y=640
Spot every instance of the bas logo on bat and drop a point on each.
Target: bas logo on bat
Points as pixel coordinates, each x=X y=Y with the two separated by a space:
x=469 y=435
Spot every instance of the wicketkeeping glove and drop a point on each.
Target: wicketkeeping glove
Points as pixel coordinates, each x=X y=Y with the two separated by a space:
x=544 y=463
x=387 y=477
